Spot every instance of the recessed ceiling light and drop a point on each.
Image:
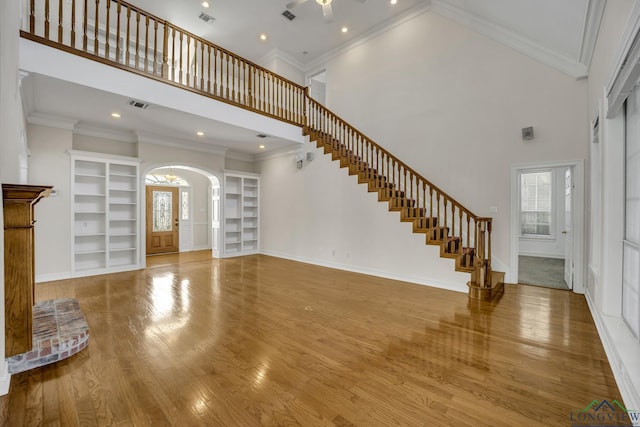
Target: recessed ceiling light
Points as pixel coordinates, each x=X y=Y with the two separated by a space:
x=205 y=4
x=115 y=115
x=261 y=146
x=200 y=133
x=393 y=1
x=263 y=36
x=344 y=29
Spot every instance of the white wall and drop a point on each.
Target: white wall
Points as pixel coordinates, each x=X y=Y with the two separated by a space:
x=553 y=246
x=321 y=215
x=104 y=145
x=451 y=103
x=11 y=131
x=239 y=165
x=50 y=164
x=604 y=283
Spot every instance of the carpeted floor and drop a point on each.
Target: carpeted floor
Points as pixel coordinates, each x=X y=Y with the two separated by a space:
x=547 y=272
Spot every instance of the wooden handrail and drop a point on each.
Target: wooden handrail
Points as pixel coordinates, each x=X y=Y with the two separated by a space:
x=393 y=157
x=155 y=48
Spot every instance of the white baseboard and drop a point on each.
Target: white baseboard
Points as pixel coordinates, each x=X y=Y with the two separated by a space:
x=372 y=272
x=52 y=277
x=5 y=378
x=623 y=353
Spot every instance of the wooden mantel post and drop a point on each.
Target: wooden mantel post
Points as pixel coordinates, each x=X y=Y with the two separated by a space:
x=19 y=274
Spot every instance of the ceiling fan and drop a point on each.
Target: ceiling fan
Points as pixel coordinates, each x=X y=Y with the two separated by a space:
x=327 y=12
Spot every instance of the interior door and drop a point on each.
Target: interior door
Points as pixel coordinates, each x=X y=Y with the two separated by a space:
x=568 y=223
x=162 y=220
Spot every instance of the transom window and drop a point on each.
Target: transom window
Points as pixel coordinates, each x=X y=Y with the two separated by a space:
x=536 y=203
x=165 y=179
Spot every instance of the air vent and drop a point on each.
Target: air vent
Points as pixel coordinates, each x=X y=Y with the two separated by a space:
x=290 y=16
x=206 y=18
x=138 y=104
x=261 y=135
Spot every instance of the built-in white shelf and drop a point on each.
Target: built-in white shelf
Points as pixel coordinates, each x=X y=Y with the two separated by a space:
x=241 y=203
x=105 y=213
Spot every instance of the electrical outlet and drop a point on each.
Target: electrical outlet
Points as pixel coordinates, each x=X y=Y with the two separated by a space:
x=493 y=209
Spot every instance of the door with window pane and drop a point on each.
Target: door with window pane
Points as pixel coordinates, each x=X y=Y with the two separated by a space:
x=536 y=203
x=162 y=220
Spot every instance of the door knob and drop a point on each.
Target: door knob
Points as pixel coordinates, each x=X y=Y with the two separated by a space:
x=564 y=231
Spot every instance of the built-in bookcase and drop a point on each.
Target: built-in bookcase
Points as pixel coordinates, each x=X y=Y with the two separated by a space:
x=105 y=213
x=241 y=219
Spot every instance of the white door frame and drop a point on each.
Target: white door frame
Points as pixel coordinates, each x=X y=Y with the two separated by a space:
x=578 y=218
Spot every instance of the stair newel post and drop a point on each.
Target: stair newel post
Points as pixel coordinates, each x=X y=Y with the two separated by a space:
x=488 y=260
x=482 y=264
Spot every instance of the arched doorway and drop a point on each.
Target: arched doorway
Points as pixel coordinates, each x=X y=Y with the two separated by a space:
x=182 y=210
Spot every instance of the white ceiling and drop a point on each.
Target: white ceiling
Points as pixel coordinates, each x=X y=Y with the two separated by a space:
x=560 y=33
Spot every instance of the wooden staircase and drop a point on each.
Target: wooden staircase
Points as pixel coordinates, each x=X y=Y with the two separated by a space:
x=214 y=72
x=485 y=284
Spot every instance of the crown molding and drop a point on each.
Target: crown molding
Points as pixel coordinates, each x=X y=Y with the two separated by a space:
x=151 y=138
x=283 y=56
x=111 y=134
x=280 y=152
x=236 y=155
x=552 y=58
x=592 y=20
x=407 y=15
x=51 y=121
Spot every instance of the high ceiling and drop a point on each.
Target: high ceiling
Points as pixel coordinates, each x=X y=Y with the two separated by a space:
x=560 y=33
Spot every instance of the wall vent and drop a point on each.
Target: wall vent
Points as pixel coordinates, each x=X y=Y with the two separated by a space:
x=206 y=18
x=290 y=16
x=138 y=104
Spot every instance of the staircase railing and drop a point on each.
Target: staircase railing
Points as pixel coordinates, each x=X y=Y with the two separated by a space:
x=473 y=231
x=122 y=35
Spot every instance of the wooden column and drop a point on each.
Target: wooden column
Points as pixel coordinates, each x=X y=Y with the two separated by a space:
x=19 y=274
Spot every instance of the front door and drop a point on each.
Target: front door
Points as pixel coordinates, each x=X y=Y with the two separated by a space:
x=162 y=220
x=568 y=224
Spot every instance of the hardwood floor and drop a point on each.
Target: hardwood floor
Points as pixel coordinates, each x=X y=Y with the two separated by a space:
x=264 y=341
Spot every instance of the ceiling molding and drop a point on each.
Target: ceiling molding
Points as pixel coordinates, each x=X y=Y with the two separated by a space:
x=592 y=20
x=110 y=134
x=626 y=69
x=51 y=121
x=280 y=152
x=243 y=157
x=408 y=15
x=283 y=56
x=552 y=58
x=151 y=138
